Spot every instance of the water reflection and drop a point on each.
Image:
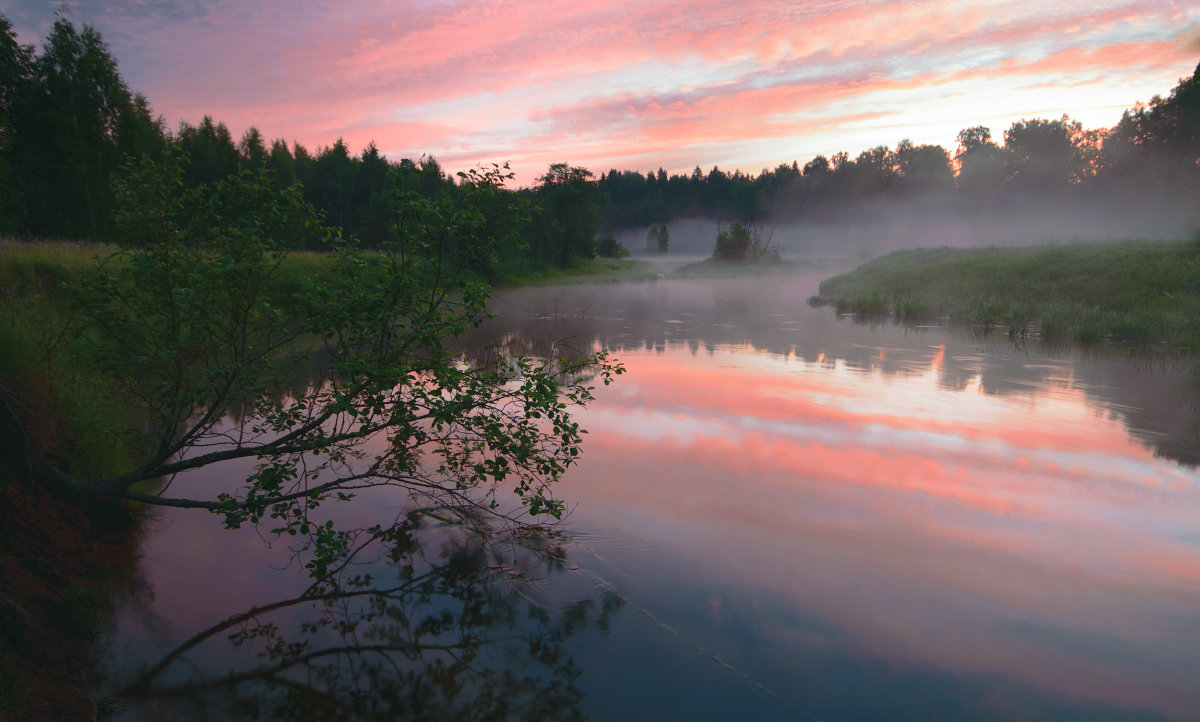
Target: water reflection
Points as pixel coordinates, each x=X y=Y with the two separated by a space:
x=831 y=521
x=803 y=518
x=415 y=620
x=1158 y=398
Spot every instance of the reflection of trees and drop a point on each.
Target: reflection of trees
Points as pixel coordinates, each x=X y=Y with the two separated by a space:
x=1155 y=396
x=416 y=620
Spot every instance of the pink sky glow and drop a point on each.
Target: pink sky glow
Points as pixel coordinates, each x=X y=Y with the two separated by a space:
x=636 y=85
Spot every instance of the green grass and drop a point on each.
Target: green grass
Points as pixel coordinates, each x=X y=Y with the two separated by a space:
x=41 y=265
x=596 y=270
x=1139 y=293
x=43 y=379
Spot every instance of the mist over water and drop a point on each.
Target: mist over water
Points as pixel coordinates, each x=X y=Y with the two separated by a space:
x=874 y=228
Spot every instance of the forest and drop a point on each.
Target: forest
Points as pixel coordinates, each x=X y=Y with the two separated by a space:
x=69 y=124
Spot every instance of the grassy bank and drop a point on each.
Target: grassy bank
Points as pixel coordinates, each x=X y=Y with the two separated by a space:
x=1143 y=293
x=596 y=270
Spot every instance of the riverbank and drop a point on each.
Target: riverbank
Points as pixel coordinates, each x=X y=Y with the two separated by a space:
x=1132 y=292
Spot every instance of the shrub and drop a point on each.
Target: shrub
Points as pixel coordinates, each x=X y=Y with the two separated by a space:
x=741 y=243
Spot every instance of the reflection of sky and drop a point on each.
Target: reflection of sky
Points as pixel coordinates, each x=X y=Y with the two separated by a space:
x=1024 y=535
x=868 y=522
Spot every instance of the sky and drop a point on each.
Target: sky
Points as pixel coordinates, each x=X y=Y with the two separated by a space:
x=634 y=84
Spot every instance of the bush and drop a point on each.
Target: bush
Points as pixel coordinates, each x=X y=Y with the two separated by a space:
x=609 y=247
x=741 y=243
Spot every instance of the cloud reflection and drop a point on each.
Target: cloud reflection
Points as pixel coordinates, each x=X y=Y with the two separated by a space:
x=1022 y=536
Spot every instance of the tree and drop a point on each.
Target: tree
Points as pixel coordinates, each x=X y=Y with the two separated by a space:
x=16 y=95
x=568 y=223
x=873 y=171
x=332 y=189
x=1159 y=141
x=609 y=247
x=373 y=198
x=281 y=164
x=252 y=149
x=817 y=167
x=202 y=318
x=922 y=167
x=658 y=239
x=69 y=130
x=139 y=133
x=1043 y=154
x=66 y=121
x=980 y=161
x=210 y=152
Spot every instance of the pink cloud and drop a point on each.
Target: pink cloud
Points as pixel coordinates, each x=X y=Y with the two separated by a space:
x=658 y=82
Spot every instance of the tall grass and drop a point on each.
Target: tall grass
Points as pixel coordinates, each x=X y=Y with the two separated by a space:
x=40 y=265
x=1143 y=293
x=49 y=403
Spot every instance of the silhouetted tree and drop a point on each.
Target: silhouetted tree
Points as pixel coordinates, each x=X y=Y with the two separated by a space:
x=281 y=164
x=1159 y=142
x=210 y=152
x=374 y=196
x=17 y=88
x=140 y=133
x=924 y=168
x=980 y=160
x=568 y=222
x=332 y=189
x=1041 y=155
x=252 y=149
x=69 y=131
x=873 y=171
x=609 y=247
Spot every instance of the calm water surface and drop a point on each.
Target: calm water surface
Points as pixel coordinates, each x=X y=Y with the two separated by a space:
x=804 y=518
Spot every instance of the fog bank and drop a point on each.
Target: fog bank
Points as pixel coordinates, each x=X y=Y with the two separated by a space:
x=877 y=227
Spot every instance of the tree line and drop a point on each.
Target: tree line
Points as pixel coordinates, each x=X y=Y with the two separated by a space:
x=1155 y=148
x=70 y=126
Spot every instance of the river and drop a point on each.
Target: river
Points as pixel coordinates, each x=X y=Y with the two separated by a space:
x=783 y=514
